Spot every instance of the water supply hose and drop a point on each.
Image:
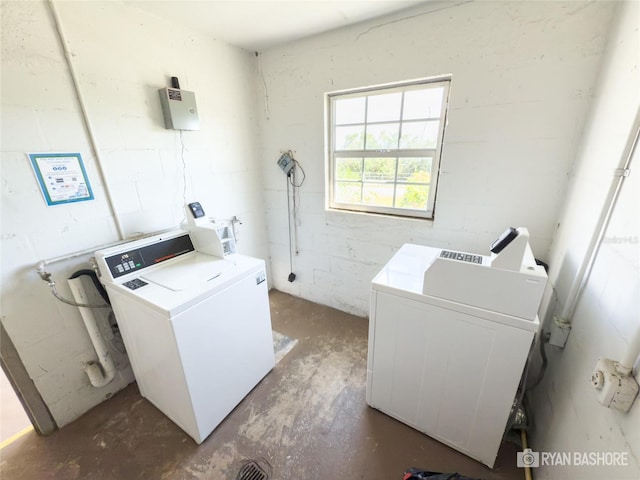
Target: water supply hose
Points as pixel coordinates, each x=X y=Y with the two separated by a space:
x=73 y=303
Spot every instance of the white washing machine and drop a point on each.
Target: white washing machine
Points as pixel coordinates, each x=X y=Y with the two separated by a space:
x=196 y=326
x=449 y=336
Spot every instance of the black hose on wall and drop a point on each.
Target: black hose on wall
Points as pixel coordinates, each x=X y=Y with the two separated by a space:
x=96 y=282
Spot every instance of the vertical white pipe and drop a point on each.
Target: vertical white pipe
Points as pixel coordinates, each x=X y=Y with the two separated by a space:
x=85 y=118
x=632 y=353
x=582 y=275
x=98 y=377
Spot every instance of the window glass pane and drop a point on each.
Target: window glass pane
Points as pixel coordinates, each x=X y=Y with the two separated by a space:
x=349 y=169
x=350 y=138
x=348 y=192
x=385 y=147
x=425 y=103
x=384 y=108
x=377 y=194
x=414 y=170
x=349 y=110
x=419 y=134
x=383 y=136
x=379 y=169
x=412 y=196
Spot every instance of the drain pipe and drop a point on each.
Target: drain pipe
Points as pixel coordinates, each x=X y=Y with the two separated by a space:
x=85 y=118
x=101 y=373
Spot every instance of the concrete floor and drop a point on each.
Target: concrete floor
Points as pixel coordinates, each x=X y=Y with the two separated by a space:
x=308 y=418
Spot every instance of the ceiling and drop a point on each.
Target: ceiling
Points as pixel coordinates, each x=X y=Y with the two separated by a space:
x=260 y=24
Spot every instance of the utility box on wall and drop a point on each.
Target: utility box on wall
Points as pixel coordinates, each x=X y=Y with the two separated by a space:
x=179 y=109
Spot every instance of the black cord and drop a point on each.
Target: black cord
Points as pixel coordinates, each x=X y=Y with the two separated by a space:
x=292 y=172
x=289 y=219
x=544 y=338
x=292 y=180
x=295 y=167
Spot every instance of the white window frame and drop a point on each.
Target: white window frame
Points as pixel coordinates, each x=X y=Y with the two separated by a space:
x=434 y=153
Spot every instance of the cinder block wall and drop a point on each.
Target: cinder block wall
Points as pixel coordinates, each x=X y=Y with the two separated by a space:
x=568 y=417
x=122 y=57
x=524 y=75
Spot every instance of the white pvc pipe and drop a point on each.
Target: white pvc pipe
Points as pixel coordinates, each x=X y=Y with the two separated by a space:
x=582 y=275
x=90 y=251
x=632 y=353
x=85 y=118
x=101 y=375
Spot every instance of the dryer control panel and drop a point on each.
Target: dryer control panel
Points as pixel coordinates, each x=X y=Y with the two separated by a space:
x=461 y=257
x=508 y=281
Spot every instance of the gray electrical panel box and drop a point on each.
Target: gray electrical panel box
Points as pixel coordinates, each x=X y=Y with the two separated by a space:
x=179 y=109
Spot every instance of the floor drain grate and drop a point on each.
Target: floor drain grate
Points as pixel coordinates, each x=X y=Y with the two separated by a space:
x=252 y=470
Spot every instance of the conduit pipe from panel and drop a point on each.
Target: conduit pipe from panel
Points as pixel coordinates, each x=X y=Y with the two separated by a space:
x=101 y=373
x=85 y=118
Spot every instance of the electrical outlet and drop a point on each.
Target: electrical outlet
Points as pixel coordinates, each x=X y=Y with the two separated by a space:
x=614 y=389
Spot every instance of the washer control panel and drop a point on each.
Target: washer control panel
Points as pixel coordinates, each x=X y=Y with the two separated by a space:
x=131 y=260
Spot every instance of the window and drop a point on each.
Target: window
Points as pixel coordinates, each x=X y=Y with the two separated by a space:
x=384 y=147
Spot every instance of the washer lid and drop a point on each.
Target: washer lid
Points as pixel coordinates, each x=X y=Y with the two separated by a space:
x=188 y=272
x=179 y=284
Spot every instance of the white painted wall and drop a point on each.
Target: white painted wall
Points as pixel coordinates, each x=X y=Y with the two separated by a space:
x=567 y=414
x=523 y=78
x=123 y=56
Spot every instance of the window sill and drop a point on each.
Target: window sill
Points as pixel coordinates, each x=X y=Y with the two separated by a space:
x=340 y=214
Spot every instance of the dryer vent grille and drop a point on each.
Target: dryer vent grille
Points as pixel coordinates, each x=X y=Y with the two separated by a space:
x=251 y=470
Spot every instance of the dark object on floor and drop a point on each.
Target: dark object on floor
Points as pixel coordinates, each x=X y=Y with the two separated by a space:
x=259 y=469
x=417 y=474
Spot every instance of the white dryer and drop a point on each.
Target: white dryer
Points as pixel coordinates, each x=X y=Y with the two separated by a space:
x=449 y=336
x=196 y=327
